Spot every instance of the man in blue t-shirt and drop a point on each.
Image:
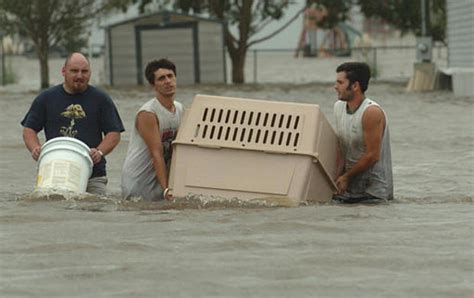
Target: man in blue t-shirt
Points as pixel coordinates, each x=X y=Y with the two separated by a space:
x=76 y=109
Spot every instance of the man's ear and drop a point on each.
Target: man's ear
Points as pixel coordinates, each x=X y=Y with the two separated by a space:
x=356 y=86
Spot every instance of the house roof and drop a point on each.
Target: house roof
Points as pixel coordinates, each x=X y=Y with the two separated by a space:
x=163 y=13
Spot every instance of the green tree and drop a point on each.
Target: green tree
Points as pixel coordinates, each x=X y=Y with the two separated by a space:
x=48 y=23
x=249 y=17
x=405 y=15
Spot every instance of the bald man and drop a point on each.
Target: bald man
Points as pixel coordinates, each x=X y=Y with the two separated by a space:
x=78 y=110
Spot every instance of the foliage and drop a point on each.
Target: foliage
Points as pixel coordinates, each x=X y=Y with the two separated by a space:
x=73 y=43
x=254 y=14
x=48 y=23
x=405 y=15
x=248 y=16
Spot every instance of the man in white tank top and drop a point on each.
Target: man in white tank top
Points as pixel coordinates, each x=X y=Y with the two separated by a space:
x=147 y=163
x=364 y=160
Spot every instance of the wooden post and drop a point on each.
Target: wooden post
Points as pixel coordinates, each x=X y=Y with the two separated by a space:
x=424 y=77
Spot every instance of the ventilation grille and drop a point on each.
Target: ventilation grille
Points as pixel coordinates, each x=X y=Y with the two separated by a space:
x=249 y=128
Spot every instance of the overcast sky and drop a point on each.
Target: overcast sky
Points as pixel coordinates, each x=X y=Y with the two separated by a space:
x=288 y=38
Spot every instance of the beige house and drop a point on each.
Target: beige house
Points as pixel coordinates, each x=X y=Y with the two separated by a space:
x=194 y=44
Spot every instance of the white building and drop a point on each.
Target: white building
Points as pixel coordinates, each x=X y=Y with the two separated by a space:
x=460 y=33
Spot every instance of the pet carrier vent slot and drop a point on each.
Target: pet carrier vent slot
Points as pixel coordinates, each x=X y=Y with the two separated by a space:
x=249 y=127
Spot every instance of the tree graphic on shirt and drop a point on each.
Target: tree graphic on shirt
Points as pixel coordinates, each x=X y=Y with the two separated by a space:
x=73 y=112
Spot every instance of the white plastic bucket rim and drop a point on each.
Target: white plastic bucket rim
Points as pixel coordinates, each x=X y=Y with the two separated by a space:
x=64 y=165
x=69 y=144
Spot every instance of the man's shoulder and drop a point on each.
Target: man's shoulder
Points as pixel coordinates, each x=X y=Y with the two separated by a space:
x=178 y=105
x=372 y=107
x=149 y=104
x=51 y=93
x=339 y=106
x=95 y=91
x=52 y=89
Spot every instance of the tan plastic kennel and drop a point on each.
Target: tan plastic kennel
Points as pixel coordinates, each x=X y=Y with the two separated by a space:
x=253 y=149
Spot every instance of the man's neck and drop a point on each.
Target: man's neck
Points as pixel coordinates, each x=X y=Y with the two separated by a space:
x=166 y=101
x=67 y=89
x=355 y=103
x=71 y=92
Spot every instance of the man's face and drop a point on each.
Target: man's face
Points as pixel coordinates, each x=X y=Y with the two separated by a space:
x=343 y=88
x=76 y=74
x=165 y=82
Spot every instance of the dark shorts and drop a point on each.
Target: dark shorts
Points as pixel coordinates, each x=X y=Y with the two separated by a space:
x=366 y=199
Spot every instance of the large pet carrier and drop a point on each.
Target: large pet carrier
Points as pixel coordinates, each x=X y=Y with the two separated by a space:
x=254 y=149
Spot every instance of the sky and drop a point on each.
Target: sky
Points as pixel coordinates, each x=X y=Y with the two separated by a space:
x=288 y=38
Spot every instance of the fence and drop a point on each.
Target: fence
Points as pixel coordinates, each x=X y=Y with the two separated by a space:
x=262 y=66
x=22 y=72
x=394 y=63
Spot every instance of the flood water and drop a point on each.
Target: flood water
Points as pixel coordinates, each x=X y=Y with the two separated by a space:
x=419 y=245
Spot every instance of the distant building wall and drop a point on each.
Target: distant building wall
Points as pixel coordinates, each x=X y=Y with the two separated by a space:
x=211 y=53
x=460 y=33
x=123 y=67
x=194 y=44
x=179 y=48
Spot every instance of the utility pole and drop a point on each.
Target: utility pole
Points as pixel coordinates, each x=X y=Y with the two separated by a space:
x=424 y=43
x=423 y=17
x=424 y=75
x=2 y=61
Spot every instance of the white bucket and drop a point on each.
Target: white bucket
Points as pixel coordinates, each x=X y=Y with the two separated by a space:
x=65 y=164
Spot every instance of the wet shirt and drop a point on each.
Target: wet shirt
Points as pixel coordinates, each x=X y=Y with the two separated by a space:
x=377 y=180
x=138 y=174
x=86 y=116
